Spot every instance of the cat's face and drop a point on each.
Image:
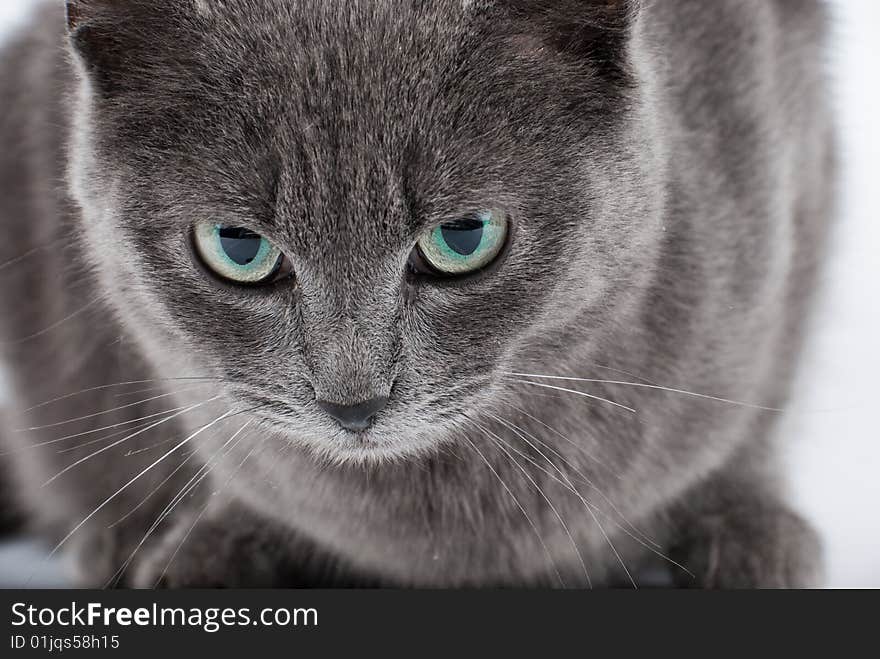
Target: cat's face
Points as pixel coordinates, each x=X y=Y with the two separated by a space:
x=334 y=153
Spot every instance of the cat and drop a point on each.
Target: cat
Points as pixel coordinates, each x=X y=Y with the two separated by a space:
x=412 y=294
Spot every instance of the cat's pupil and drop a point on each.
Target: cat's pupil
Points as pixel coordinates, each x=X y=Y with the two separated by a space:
x=240 y=245
x=463 y=236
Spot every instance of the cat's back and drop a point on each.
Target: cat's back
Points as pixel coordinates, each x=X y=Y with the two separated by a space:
x=35 y=76
x=739 y=93
x=742 y=102
x=740 y=79
x=43 y=278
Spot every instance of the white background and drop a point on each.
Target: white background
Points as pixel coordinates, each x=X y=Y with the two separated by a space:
x=831 y=429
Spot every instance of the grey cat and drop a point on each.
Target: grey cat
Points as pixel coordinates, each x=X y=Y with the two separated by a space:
x=409 y=293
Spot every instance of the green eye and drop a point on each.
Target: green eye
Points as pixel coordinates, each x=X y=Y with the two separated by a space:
x=466 y=245
x=238 y=254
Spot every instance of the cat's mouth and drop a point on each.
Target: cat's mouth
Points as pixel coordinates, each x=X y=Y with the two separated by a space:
x=380 y=431
x=383 y=441
x=332 y=441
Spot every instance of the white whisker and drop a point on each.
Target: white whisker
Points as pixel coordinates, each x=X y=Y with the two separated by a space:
x=156 y=489
x=517 y=429
x=112 y=386
x=110 y=411
x=129 y=437
x=202 y=514
x=621 y=372
x=145 y=390
x=92 y=442
x=153 y=447
x=136 y=478
x=520 y=507
x=589 y=507
x=28 y=254
x=188 y=487
x=642 y=385
x=577 y=446
x=134 y=424
x=620 y=527
x=578 y=393
x=183 y=540
x=53 y=326
x=501 y=444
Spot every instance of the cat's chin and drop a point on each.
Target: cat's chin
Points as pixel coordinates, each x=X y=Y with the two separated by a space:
x=377 y=446
x=367 y=455
x=359 y=453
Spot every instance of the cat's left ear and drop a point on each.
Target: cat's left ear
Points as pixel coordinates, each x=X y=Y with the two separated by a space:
x=599 y=31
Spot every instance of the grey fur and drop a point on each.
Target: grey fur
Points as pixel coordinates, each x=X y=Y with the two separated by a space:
x=669 y=170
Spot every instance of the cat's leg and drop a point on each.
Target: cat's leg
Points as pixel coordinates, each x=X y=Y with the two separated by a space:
x=231 y=546
x=11 y=511
x=734 y=531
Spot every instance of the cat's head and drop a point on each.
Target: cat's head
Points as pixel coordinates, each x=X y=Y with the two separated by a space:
x=378 y=204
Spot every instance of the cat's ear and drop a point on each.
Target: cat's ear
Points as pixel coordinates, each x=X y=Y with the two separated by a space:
x=108 y=35
x=82 y=13
x=86 y=15
x=596 y=30
x=77 y=13
x=93 y=27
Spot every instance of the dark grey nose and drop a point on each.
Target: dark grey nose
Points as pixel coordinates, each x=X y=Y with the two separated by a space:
x=355 y=417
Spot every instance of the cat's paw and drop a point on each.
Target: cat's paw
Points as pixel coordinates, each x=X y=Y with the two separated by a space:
x=751 y=545
x=208 y=554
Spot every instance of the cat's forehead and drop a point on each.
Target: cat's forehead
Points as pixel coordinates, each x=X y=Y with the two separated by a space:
x=358 y=100
x=337 y=112
x=215 y=8
x=330 y=47
x=332 y=13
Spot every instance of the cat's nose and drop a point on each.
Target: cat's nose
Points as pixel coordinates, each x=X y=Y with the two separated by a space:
x=355 y=417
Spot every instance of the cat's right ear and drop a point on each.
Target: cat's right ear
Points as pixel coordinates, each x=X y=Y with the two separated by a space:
x=91 y=28
x=76 y=9
x=87 y=19
x=82 y=13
